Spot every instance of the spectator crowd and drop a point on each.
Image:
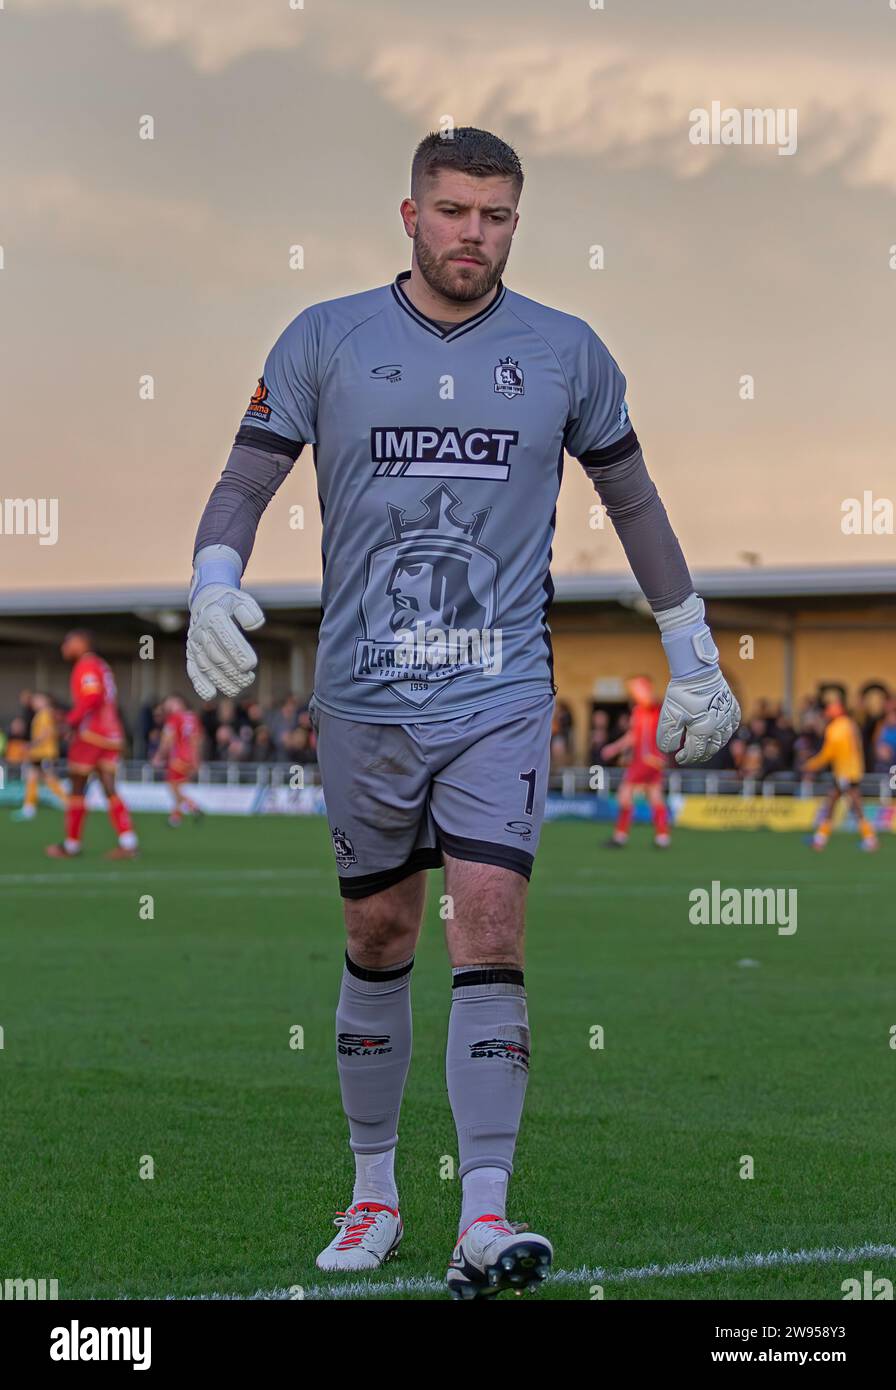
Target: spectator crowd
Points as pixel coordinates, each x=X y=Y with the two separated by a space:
x=232 y=731
x=769 y=744
x=236 y=732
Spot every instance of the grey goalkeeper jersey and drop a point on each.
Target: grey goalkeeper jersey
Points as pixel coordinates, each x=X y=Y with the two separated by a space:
x=438 y=456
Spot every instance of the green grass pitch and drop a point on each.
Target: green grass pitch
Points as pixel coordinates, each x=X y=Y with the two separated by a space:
x=170 y=1038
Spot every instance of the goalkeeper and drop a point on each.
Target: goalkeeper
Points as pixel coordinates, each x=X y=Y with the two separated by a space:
x=438 y=512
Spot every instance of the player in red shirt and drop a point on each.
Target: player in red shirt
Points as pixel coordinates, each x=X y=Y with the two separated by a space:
x=95 y=746
x=179 y=752
x=645 y=769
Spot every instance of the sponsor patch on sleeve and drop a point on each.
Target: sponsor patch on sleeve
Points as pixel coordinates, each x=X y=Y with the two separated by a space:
x=256 y=409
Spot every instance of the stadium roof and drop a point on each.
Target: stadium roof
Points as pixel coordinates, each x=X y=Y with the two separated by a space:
x=786 y=581
x=759 y=582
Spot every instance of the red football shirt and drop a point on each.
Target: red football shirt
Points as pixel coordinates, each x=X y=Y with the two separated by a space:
x=183 y=726
x=645 y=719
x=94 y=710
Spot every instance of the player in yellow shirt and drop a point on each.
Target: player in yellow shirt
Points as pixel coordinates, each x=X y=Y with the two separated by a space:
x=842 y=752
x=43 y=750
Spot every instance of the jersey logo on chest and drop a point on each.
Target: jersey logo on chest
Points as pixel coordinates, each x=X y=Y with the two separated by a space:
x=411 y=451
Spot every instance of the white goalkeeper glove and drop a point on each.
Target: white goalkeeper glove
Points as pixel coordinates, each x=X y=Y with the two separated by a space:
x=699 y=706
x=218 y=656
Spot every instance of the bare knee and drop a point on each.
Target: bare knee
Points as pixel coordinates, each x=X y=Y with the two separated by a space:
x=485 y=917
x=383 y=928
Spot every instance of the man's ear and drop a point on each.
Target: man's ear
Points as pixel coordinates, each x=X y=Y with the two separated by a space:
x=409 y=213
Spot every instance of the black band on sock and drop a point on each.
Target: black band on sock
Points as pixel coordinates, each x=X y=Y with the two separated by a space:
x=361 y=973
x=488 y=975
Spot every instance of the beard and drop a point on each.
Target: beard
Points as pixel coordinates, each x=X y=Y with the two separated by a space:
x=460 y=283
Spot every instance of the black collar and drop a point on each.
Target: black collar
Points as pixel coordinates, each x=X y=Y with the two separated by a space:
x=431 y=325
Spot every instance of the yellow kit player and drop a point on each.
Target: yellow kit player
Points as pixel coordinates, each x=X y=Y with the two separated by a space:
x=43 y=750
x=842 y=752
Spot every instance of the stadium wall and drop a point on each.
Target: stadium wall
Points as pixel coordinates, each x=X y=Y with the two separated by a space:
x=797 y=645
x=793 y=652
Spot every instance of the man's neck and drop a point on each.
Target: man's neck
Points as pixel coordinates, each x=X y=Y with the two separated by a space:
x=436 y=306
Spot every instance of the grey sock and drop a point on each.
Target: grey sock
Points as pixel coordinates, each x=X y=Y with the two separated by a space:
x=373 y=1051
x=487 y=1064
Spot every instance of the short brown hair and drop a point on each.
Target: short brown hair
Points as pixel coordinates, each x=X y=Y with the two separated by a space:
x=472 y=151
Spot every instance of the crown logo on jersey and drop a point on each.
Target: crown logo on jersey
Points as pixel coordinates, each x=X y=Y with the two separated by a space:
x=440 y=517
x=509 y=378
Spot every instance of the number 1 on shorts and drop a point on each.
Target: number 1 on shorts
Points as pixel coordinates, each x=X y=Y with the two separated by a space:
x=529 y=778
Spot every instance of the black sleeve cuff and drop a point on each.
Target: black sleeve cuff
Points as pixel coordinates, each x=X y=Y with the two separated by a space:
x=619 y=449
x=271 y=443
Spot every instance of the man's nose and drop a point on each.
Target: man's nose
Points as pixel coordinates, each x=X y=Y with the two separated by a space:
x=473 y=227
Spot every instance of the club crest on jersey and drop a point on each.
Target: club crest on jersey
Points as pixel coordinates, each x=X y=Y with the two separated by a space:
x=343 y=849
x=509 y=378
x=429 y=600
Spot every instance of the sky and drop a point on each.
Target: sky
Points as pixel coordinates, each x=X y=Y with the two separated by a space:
x=125 y=258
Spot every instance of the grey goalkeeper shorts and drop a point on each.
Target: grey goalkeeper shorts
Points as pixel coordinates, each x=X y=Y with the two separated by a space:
x=397 y=795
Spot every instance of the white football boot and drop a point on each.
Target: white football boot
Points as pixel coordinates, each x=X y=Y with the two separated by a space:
x=369 y=1234
x=493 y=1254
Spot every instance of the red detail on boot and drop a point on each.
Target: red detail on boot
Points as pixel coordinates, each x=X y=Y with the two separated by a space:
x=499 y=1222
x=356 y=1227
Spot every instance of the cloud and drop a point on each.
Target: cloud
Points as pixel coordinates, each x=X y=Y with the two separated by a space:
x=213 y=33
x=572 y=90
x=629 y=108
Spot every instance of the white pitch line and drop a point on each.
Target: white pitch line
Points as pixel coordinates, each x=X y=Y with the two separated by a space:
x=142 y=870
x=45 y=890
x=148 y=870
x=711 y=1264
x=145 y=868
